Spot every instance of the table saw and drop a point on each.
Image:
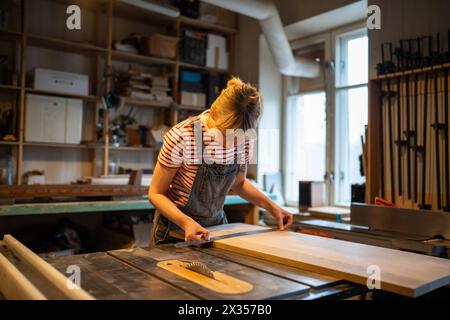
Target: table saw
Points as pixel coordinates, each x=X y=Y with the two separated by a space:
x=168 y=271
x=425 y=232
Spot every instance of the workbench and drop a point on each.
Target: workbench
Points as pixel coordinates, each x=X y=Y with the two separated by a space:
x=251 y=215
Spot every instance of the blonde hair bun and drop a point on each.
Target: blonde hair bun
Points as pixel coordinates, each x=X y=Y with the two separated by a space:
x=239 y=106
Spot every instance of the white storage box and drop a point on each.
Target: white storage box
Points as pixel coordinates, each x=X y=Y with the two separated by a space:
x=59 y=81
x=193 y=99
x=74 y=121
x=216 y=52
x=53 y=119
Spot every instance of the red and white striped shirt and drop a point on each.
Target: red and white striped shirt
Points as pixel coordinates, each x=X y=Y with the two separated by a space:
x=178 y=151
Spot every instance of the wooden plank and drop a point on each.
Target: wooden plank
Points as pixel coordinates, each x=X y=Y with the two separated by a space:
x=58 y=279
x=106 y=278
x=404 y=273
x=14 y=285
x=265 y=285
x=333 y=213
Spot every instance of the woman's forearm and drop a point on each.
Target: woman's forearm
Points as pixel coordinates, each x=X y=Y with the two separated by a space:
x=251 y=193
x=167 y=208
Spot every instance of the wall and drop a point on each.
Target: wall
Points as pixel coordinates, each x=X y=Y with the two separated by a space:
x=403 y=19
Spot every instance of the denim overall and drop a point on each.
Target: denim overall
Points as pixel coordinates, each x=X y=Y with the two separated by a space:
x=206 y=200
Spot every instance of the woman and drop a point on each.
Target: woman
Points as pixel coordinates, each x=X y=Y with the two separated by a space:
x=197 y=167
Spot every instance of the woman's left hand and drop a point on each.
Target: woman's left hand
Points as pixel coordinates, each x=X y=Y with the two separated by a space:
x=283 y=217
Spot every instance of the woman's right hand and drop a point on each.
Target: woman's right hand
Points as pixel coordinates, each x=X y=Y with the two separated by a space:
x=194 y=231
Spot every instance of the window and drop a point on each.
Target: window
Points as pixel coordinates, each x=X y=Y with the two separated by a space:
x=305 y=141
x=351 y=112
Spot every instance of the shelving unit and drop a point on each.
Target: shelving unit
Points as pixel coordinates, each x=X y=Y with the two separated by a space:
x=102 y=57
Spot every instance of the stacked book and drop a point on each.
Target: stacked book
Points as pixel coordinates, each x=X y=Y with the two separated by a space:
x=142 y=86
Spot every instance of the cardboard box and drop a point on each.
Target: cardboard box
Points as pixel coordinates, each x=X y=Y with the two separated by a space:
x=214 y=14
x=59 y=81
x=53 y=119
x=193 y=99
x=160 y=45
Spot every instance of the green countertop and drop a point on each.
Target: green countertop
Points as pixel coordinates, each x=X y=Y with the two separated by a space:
x=94 y=206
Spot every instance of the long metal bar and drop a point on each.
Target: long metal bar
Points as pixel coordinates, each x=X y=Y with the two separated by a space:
x=391 y=140
x=447 y=147
x=416 y=137
x=382 y=140
x=399 y=137
x=408 y=134
x=424 y=146
x=437 y=128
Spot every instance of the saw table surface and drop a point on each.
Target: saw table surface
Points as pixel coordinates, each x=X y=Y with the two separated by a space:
x=265 y=285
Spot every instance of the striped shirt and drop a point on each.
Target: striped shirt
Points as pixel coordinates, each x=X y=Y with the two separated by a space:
x=179 y=151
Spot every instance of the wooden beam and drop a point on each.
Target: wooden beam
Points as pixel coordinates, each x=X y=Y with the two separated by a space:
x=14 y=285
x=48 y=271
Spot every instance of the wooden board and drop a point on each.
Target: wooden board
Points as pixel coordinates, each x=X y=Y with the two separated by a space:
x=404 y=273
x=265 y=285
x=106 y=278
x=329 y=212
x=224 y=230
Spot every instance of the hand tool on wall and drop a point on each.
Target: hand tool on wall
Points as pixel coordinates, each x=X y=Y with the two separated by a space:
x=399 y=142
x=418 y=58
x=436 y=55
x=390 y=65
x=427 y=59
x=380 y=66
x=381 y=94
x=447 y=147
x=400 y=55
x=446 y=58
x=390 y=94
x=423 y=204
x=416 y=148
x=438 y=127
x=409 y=135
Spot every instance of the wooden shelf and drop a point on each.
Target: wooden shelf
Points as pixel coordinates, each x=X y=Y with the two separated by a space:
x=9 y=143
x=64 y=45
x=147 y=104
x=196 y=23
x=192 y=108
x=11 y=35
x=127 y=56
x=57 y=145
x=202 y=68
x=138 y=149
x=66 y=95
x=8 y=87
x=84 y=4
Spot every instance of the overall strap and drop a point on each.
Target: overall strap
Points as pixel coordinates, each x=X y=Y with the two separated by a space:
x=198 y=138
